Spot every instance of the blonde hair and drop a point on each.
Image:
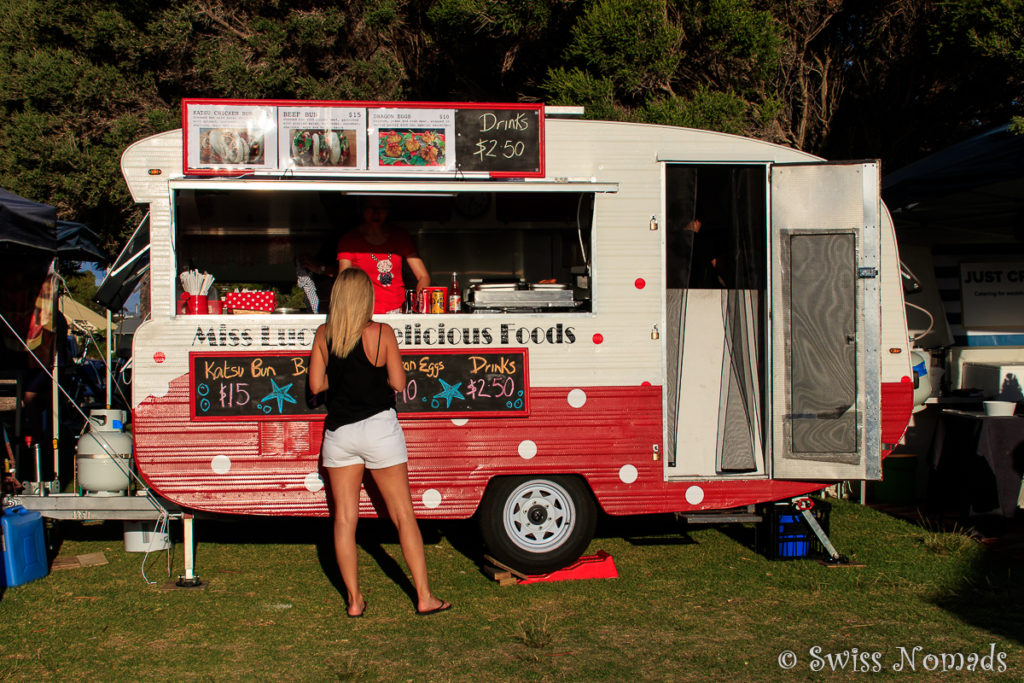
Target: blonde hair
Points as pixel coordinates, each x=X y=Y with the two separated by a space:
x=351 y=310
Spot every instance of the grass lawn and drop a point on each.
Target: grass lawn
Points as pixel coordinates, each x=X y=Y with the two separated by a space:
x=688 y=605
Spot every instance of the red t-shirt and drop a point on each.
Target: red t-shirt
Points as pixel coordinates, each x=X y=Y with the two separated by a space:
x=382 y=262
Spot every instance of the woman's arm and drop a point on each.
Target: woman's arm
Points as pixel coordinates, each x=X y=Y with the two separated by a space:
x=318 y=362
x=419 y=269
x=393 y=358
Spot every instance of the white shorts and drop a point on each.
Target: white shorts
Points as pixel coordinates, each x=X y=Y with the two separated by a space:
x=376 y=442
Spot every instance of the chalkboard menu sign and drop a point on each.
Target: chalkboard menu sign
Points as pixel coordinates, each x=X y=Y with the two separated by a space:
x=500 y=141
x=272 y=385
x=232 y=386
x=465 y=382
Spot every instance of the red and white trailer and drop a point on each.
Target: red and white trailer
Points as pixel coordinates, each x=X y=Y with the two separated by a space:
x=601 y=364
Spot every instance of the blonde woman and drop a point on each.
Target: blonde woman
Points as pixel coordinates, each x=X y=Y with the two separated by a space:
x=356 y=361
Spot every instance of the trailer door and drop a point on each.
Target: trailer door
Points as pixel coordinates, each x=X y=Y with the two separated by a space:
x=825 y=321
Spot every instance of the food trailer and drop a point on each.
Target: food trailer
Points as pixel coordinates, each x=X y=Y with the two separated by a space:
x=654 y=319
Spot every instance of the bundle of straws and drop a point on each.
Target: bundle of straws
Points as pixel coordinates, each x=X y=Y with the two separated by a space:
x=195 y=283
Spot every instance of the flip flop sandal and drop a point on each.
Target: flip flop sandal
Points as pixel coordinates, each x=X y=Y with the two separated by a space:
x=443 y=607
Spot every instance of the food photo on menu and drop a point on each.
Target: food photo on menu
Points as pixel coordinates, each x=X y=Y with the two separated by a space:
x=230 y=146
x=323 y=147
x=411 y=147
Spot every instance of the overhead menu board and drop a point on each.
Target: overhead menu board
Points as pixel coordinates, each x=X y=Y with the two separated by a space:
x=272 y=385
x=233 y=137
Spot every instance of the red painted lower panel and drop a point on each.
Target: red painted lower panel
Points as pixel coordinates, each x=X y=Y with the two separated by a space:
x=604 y=434
x=897 y=405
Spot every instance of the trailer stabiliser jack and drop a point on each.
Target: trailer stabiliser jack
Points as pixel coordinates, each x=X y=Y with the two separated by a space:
x=804 y=505
x=189 y=580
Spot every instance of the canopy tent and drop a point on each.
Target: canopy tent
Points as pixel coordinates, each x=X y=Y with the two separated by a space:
x=81 y=317
x=970 y=192
x=32 y=241
x=31 y=227
x=30 y=238
x=76 y=242
x=26 y=225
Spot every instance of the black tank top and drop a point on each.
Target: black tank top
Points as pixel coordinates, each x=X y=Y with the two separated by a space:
x=356 y=388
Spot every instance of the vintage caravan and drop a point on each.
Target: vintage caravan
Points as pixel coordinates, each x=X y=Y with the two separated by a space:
x=655 y=319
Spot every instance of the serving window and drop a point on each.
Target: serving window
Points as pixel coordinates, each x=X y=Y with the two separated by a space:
x=511 y=251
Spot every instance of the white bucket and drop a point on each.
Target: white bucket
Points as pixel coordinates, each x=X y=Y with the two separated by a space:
x=999 y=408
x=139 y=537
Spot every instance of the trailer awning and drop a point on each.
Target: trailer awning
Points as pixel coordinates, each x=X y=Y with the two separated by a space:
x=974 y=188
x=127 y=270
x=396 y=187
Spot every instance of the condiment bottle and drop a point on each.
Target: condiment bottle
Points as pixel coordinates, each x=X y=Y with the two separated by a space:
x=454 y=295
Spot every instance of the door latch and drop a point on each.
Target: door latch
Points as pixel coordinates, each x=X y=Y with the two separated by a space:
x=867 y=273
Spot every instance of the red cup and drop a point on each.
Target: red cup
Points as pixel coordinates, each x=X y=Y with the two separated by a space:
x=215 y=307
x=196 y=305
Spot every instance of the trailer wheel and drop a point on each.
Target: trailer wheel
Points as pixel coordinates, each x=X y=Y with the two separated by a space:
x=537 y=524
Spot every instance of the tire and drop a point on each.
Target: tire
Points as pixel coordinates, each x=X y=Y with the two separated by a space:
x=537 y=524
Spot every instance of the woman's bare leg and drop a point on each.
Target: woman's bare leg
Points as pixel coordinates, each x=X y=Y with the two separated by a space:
x=393 y=483
x=345 y=483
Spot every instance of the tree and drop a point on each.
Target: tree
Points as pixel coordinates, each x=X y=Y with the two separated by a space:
x=74 y=88
x=888 y=78
x=700 y=63
x=926 y=75
x=82 y=286
x=81 y=81
x=492 y=50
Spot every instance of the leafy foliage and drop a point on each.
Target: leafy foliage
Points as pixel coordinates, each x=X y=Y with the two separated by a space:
x=723 y=111
x=82 y=288
x=632 y=42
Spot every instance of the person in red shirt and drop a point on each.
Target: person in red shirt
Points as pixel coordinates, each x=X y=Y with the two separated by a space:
x=377 y=248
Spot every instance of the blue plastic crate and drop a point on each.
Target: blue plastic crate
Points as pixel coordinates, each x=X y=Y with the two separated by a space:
x=784 y=534
x=24 y=546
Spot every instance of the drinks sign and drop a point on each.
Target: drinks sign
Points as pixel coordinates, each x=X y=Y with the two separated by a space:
x=500 y=141
x=451 y=383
